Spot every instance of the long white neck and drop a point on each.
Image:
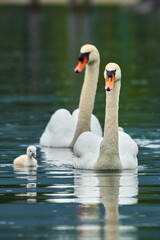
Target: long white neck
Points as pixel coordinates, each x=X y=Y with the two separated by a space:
x=109 y=153
x=87 y=99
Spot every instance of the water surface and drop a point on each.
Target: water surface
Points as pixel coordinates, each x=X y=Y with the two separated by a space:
x=38 y=52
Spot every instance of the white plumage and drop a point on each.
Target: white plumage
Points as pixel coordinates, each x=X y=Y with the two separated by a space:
x=87 y=148
x=28 y=159
x=116 y=150
x=64 y=128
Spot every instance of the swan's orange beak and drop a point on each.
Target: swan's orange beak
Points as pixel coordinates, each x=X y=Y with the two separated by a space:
x=81 y=65
x=109 y=82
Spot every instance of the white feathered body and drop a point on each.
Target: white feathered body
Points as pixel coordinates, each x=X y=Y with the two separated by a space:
x=61 y=128
x=87 y=149
x=24 y=161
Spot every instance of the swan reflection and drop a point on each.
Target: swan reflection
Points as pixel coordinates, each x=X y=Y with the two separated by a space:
x=109 y=188
x=29 y=173
x=98 y=195
x=57 y=156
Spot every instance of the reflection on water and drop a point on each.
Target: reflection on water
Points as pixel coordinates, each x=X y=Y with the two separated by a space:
x=30 y=174
x=109 y=186
x=57 y=156
x=37 y=58
x=90 y=189
x=96 y=197
x=103 y=188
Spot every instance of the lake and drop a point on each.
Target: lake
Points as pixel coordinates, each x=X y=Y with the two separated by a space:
x=38 y=53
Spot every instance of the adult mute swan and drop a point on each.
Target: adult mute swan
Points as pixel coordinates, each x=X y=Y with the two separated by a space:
x=64 y=128
x=117 y=150
x=27 y=160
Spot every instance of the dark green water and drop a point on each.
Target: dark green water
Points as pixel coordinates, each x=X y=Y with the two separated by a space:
x=38 y=52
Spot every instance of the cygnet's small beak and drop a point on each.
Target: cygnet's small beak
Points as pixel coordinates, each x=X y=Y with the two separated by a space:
x=110 y=78
x=33 y=155
x=81 y=65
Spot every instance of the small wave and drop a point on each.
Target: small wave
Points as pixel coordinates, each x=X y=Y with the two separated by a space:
x=6 y=165
x=148 y=143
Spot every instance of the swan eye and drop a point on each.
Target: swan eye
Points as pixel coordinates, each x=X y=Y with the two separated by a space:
x=80 y=58
x=110 y=73
x=82 y=55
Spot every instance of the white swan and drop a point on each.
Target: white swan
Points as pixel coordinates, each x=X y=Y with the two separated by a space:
x=64 y=128
x=117 y=150
x=27 y=160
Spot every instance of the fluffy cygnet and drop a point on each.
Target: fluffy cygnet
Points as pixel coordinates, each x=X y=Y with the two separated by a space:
x=28 y=159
